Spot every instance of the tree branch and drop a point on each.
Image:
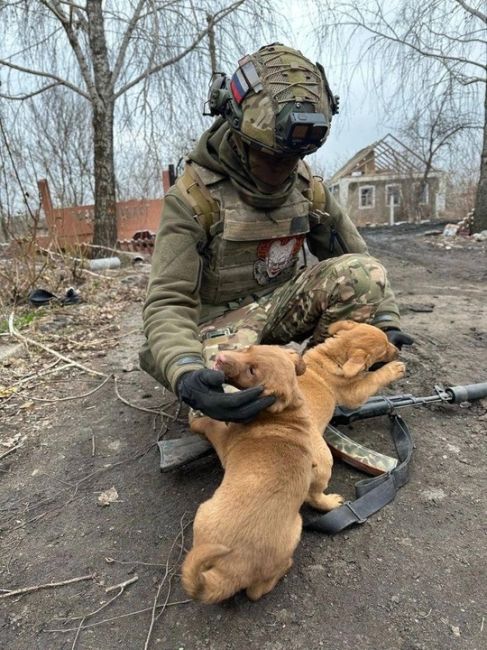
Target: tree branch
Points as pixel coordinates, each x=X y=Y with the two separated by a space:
x=402 y=41
x=75 y=45
x=48 y=75
x=200 y=36
x=472 y=11
x=71 y=4
x=21 y=98
x=36 y=44
x=53 y=9
x=125 y=41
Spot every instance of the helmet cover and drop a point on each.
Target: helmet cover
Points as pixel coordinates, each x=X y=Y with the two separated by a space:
x=280 y=102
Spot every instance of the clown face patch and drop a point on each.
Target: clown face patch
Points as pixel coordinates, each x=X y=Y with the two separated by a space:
x=275 y=256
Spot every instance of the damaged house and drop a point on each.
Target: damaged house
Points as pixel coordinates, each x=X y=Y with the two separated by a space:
x=387 y=183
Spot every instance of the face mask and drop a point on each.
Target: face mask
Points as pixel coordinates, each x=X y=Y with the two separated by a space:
x=270 y=172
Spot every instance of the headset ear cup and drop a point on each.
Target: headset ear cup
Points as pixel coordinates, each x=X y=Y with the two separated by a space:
x=221 y=101
x=219 y=93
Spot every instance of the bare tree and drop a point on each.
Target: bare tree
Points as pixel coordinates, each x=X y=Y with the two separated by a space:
x=108 y=53
x=462 y=177
x=420 y=44
x=12 y=185
x=56 y=136
x=432 y=127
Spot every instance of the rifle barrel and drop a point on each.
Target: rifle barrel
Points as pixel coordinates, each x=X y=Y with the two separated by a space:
x=467 y=393
x=381 y=405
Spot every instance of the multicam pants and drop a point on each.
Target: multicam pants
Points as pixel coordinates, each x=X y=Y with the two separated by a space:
x=348 y=287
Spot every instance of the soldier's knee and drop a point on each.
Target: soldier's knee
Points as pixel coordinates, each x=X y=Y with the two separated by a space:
x=359 y=276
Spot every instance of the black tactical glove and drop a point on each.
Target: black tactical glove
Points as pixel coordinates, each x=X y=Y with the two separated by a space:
x=398 y=338
x=202 y=390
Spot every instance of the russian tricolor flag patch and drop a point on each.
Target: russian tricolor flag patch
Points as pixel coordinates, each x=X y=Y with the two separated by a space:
x=239 y=86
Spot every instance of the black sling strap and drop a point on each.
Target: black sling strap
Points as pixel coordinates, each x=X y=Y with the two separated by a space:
x=372 y=493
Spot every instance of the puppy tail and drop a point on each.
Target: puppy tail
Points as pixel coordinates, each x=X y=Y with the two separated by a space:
x=200 y=575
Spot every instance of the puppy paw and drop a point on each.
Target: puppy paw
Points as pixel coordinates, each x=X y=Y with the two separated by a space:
x=334 y=500
x=325 y=502
x=396 y=370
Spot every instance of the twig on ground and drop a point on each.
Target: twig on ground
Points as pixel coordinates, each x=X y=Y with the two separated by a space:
x=168 y=573
x=122 y=584
x=65 y=399
x=111 y=560
x=108 y=278
x=78 y=632
x=52 y=368
x=77 y=484
x=107 y=468
x=9 y=561
x=93 y=445
x=121 y=589
x=140 y=408
x=9 y=451
x=46 y=348
x=116 y=618
x=26 y=590
x=165 y=424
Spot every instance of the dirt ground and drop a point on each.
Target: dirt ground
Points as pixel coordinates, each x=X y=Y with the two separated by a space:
x=412 y=578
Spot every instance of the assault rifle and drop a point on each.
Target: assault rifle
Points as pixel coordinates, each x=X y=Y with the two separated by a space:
x=373 y=462
x=175 y=453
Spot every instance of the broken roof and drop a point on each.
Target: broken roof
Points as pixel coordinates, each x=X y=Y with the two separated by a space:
x=386 y=156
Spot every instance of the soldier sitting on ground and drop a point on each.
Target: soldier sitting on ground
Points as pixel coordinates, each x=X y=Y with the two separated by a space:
x=225 y=269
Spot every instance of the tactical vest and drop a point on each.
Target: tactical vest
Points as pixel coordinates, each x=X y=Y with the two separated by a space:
x=249 y=251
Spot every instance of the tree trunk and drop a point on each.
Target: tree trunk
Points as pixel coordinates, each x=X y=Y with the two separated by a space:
x=419 y=194
x=480 y=220
x=105 y=231
x=3 y=227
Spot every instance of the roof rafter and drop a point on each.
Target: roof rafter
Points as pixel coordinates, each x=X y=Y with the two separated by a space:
x=388 y=156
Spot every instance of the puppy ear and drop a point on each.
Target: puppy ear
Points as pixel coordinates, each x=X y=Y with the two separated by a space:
x=299 y=363
x=355 y=364
x=341 y=325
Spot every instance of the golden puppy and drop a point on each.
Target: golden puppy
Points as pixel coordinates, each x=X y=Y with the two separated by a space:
x=245 y=535
x=337 y=374
x=337 y=370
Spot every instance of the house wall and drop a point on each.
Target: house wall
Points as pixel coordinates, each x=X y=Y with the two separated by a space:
x=347 y=192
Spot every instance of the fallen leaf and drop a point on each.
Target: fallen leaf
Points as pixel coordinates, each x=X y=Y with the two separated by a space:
x=108 y=497
x=27 y=405
x=6 y=391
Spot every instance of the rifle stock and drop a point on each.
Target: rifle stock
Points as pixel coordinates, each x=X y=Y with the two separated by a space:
x=355 y=454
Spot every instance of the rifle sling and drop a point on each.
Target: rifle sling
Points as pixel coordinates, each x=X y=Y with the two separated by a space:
x=372 y=493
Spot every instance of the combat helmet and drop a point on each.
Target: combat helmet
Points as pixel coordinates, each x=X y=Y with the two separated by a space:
x=277 y=101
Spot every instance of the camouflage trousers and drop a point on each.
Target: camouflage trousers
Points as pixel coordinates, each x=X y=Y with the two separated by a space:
x=347 y=287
